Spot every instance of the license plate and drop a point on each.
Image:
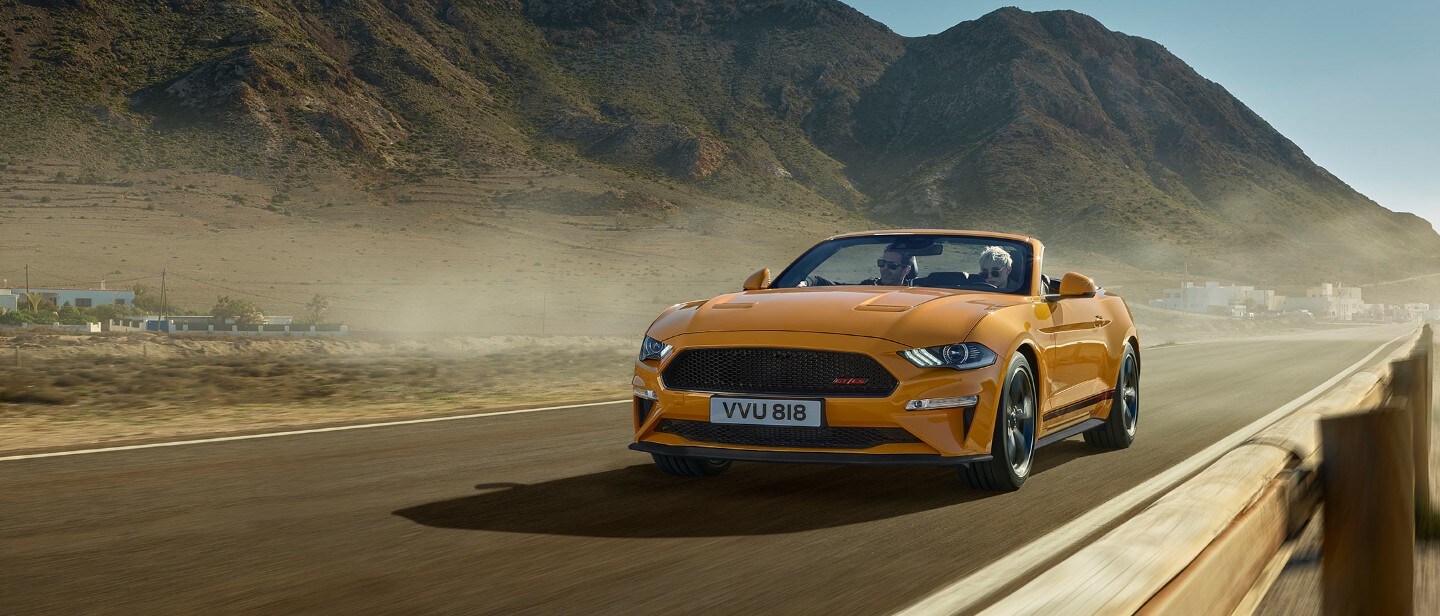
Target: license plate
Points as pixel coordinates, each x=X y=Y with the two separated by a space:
x=766 y=411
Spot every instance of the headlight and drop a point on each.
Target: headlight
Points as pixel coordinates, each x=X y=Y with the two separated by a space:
x=654 y=349
x=960 y=356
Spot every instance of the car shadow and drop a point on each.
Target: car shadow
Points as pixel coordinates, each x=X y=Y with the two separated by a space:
x=1058 y=454
x=752 y=499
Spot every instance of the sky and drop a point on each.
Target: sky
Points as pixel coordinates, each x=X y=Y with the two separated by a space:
x=1356 y=85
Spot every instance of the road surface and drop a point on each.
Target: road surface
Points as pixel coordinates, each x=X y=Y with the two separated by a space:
x=548 y=512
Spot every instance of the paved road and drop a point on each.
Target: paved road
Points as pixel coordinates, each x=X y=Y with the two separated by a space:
x=549 y=513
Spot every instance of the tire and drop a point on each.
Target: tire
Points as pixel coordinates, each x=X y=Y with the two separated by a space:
x=1118 y=431
x=689 y=467
x=1012 y=448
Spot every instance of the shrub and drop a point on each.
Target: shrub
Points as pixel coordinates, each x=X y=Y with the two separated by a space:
x=17 y=317
x=35 y=395
x=70 y=315
x=240 y=310
x=67 y=380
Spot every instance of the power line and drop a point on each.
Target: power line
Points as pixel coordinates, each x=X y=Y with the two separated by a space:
x=86 y=282
x=279 y=299
x=106 y=281
x=60 y=277
x=241 y=291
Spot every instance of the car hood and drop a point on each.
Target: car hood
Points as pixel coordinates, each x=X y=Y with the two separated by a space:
x=912 y=316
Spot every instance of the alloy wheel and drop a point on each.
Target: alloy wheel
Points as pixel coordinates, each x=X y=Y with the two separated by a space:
x=1020 y=422
x=1130 y=394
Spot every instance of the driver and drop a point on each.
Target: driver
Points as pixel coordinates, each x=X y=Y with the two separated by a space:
x=995 y=265
x=895 y=267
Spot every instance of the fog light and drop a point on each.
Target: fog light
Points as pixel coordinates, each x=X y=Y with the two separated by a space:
x=638 y=386
x=940 y=403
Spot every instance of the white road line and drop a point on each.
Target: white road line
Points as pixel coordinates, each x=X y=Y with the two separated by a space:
x=968 y=592
x=1172 y=345
x=247 y=437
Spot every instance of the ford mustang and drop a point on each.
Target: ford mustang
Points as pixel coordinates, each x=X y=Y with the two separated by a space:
x=926 y=347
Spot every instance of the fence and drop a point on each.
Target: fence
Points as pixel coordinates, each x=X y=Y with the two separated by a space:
x=84 y=328
x=1216 y=543
x=322 y=330
x=187 y=327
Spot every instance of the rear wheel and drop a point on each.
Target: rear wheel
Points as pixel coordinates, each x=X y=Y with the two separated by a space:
x=1118 y=431
x=690 y=467
x=1012 y=449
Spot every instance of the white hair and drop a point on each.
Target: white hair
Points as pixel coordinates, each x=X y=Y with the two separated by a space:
x=996 y=254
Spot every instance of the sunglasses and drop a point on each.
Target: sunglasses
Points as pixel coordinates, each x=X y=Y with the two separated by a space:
x=894 y=265
x=993 y=272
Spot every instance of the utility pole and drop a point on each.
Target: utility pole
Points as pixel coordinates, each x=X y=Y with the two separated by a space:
x=27 y=287
x=162 y=297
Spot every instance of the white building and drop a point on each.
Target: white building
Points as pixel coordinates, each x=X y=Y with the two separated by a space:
x=1328 y=301
x=1415 y=313
x=61 y=297
x=1235 y=301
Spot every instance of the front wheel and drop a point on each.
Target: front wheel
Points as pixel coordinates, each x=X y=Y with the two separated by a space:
x=1118 y=431
x=689 y=467
x=1012 y=448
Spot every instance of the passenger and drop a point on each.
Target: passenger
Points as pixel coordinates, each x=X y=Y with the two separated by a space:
x=995 y=265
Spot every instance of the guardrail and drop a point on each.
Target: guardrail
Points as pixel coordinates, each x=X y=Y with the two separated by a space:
x=1216 y=543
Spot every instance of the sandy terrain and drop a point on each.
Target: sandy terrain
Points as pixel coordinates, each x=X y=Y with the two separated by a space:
x=499 y=255
x=71 y=390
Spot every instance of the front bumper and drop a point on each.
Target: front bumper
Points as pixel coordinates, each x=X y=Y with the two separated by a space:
x=949 y=436
x=808 y=457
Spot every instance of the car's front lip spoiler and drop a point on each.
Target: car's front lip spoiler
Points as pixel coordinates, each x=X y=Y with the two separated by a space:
x=809 y=457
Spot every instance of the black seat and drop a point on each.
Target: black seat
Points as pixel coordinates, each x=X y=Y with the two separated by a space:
x=944 y=279
x=1049 y=285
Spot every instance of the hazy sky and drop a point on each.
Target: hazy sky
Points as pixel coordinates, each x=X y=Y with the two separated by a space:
x=1354 y=84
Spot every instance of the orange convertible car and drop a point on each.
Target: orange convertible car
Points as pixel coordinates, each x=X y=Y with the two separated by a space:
x=926 y=347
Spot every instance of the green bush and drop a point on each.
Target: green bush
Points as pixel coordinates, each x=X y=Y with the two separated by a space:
x=70 y=315
x=106 y=312
x=18 y=317
x=240 y=310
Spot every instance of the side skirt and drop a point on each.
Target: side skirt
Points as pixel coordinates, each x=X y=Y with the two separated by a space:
x=1069 y=432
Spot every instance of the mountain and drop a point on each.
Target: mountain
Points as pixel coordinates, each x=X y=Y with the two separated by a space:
x=1045 y=123
x=1052 y=123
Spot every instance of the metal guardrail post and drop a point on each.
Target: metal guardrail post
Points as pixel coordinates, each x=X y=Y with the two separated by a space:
x=1368 y=563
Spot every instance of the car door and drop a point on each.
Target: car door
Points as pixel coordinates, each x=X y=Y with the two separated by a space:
x=1074 y=359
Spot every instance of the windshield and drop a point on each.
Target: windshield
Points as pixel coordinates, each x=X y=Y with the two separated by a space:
x=936 y=261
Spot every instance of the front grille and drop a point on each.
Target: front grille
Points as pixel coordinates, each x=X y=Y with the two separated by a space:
x=778 y=372
x=784 y=436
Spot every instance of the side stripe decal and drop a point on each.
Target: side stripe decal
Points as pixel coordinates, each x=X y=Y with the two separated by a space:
x=1075 y=406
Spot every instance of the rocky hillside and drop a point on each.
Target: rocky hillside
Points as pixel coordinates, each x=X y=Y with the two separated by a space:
x=1045 y=123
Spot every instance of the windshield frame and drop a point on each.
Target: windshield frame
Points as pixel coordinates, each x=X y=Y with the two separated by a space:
x=811 y=259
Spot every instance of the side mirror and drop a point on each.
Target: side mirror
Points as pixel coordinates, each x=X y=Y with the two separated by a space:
x=1077 y=285
x=758 y=280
